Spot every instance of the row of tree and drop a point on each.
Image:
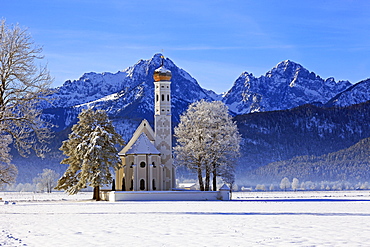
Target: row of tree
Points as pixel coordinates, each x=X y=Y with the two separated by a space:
x=285 y=184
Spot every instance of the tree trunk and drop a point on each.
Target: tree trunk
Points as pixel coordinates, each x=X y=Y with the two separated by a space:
x=200 y=179
x=114 y=185
x=208 y=179
x=214 y=179
x=96 y=193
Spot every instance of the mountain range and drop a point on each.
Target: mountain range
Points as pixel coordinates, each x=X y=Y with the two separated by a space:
x=128 y=98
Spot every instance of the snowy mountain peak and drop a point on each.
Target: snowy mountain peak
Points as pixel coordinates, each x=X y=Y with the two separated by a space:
x=357 y=93
x=285 y=86
x=127 y=93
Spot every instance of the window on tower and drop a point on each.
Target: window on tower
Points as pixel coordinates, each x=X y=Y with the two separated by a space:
x=157 y=97
x=153 y=185
x=168 y=97
x=142 y=184
x=162 y=97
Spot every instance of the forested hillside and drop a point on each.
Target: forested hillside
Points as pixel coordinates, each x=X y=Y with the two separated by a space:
x=350 y=164
x=305 y=130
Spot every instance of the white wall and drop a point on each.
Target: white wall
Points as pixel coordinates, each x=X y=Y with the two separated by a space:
x=223 y=195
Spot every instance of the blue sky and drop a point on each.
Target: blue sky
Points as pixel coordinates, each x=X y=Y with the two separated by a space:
x=215 y=41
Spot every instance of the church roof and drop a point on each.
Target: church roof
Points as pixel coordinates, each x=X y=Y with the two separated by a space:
x=142 y=145
x=145 y=128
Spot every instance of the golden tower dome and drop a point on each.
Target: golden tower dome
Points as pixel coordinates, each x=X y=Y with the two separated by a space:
x=162 y=74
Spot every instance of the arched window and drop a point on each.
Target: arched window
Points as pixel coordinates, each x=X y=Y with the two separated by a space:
x=168 y=97
x=123 y=184
x=153 y=165
x=157 y=97
x=132 y=165
x=162 y=97
x=153 y=184
x=142 y=164
x=142 y=184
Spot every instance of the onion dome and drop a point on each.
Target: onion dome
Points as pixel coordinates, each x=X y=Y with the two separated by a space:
x=162 y=74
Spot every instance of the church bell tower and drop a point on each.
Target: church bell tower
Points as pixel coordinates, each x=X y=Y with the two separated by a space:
x=162 y=123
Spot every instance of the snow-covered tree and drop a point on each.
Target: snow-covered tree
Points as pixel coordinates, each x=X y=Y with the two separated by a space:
x=295 y=184
x=227 y=175
x=46 y=180
x=91 y=152
x=272 y=187
x=260 y=187
x=364 y=186
x=8 y=171
x=23 y=85
x=208 y=142
x=285 y=184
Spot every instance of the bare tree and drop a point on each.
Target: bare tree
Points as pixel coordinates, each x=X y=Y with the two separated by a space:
x=47 y=179
x=24 y=84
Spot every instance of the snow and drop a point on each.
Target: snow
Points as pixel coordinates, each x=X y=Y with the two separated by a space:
x=252 y=219
x=163 y=70
x=142 y=146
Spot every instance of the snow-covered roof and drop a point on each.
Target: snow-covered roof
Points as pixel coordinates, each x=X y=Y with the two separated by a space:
x=225 y=187
x=162 y=69
x=142 y=146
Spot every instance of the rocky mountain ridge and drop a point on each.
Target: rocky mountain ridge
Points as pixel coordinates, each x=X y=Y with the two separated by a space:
x=128 y=94
x=285 y=86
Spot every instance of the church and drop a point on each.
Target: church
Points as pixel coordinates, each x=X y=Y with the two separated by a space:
x=147 y=158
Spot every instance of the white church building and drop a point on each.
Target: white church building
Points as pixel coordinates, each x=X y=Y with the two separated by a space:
x=148 y=172
x=147 y=157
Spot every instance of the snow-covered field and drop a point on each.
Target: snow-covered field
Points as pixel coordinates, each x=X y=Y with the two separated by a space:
x=251 y=219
